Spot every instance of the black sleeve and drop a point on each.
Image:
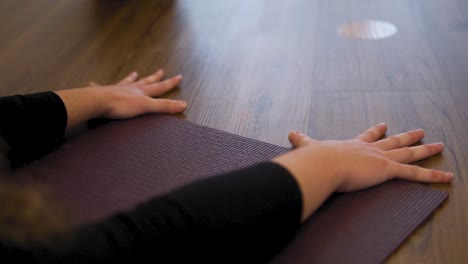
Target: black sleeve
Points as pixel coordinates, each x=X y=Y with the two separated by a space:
x=243 y=216
x=32 y=125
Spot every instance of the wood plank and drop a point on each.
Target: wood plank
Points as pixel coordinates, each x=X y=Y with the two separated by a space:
x=262 y=68
x=342 y=115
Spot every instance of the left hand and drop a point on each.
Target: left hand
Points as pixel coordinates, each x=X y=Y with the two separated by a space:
x=128 y=98
x=132 y=97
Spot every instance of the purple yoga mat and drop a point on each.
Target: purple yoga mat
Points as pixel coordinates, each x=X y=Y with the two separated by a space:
x=120 y=164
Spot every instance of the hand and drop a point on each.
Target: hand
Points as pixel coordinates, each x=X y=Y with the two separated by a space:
x=128 y=98
x=366 y=161
x=132 y=97
x=359 y=163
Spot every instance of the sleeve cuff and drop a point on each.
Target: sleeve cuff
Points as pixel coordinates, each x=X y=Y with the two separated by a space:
x=32 y=125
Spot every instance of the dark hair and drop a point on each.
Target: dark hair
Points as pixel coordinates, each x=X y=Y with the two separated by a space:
x=28 y=215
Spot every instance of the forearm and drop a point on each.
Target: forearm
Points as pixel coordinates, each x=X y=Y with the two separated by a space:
x=31 y=124
x=84 y=104
x=242 y=216
x=127 y=99
x=316 y=179
x=34 y=124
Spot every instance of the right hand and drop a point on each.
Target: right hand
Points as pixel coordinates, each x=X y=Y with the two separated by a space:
x=359 y=163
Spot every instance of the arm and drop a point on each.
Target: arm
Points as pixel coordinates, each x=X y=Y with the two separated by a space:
x=248 y=212
x=128 y=98
x=32 y=125
x=324 y=167
x=242 y=216
x=35 y=124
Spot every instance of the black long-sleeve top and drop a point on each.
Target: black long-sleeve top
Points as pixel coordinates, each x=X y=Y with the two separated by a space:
x=256 y=216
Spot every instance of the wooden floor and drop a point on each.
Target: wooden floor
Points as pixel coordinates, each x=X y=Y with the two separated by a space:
x=262 y=68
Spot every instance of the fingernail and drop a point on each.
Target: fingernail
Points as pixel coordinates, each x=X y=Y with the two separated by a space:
x=381 y=124
x=180 y=76
x=134 y=73
x=449 y=174
x=440 y=144
x=183 y=104
x=297 y=133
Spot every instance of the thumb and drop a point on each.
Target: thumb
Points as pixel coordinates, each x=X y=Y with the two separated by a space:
x=93 y=84
x=298 y=139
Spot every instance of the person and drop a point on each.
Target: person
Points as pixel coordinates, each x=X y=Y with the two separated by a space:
x=260 y=209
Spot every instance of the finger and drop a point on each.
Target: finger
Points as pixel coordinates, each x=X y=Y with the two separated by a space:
x=157 y=89
x=415 y=173
x=298 y=140
x=93 y=84
x=164 y=106
x=400 y=140
x=130 y=78
x=413 y=154
x=155 y=77
x=374 y=133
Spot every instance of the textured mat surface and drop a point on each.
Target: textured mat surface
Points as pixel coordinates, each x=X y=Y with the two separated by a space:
x=117 y=165
x=363 y=227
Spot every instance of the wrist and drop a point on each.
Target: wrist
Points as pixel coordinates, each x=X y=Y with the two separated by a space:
x=102 y=102
x=315 y=174
x=83 y=104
